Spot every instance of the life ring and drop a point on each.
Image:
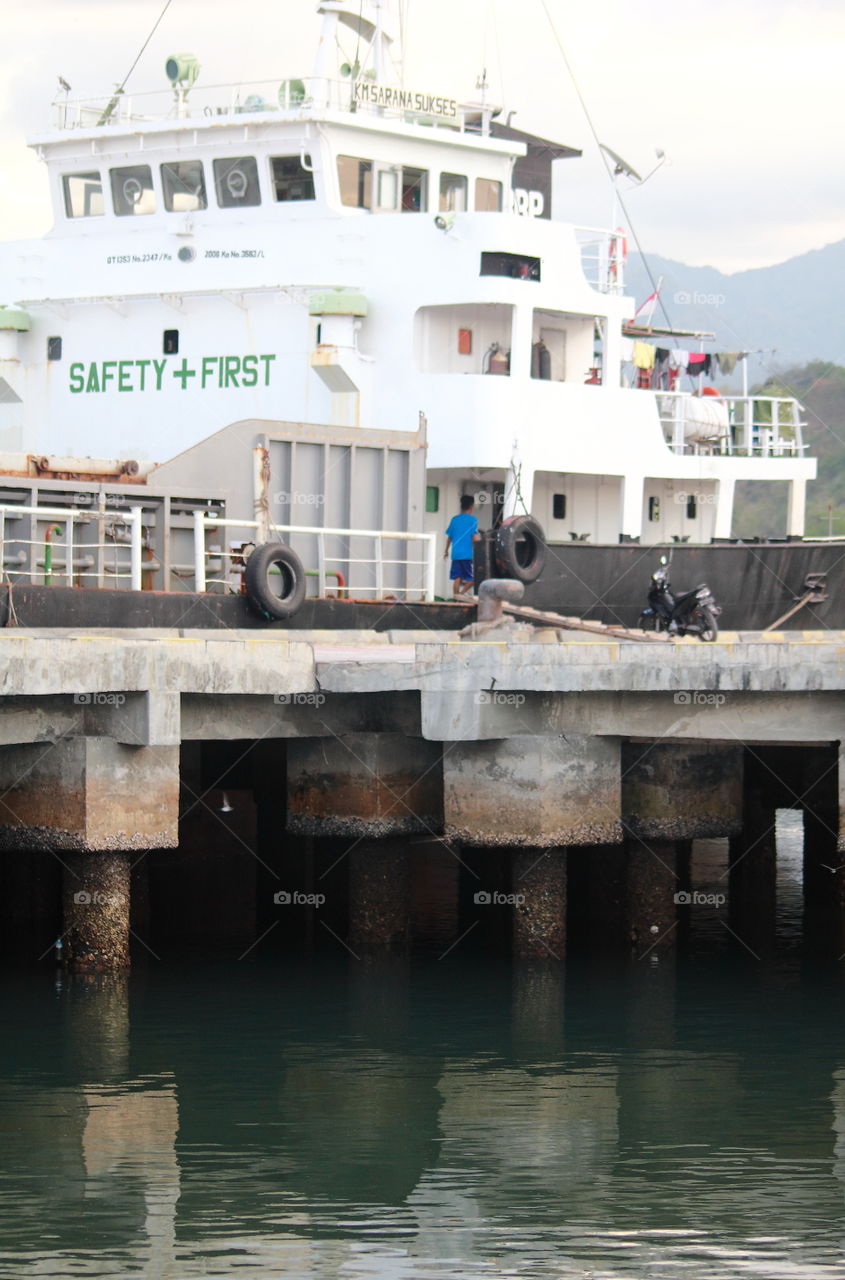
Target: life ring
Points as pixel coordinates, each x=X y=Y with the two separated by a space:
x=520 y=548
x=284 y=597
x=617 y=252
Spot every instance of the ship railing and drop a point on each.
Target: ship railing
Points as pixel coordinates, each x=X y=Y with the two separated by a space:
x=389 y=569
x=751 y=427
x=602 y=258
x=246 y=98
x=53 y=550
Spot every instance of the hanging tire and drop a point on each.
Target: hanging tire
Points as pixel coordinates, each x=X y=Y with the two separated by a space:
x=275 y=580
x=709 y=630
x=520 y=548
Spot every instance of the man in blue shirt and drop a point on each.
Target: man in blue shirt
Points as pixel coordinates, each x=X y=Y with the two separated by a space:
x=461 y=534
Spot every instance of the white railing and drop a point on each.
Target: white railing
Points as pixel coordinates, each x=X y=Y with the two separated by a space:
x=602 y=258
x=247 y=98
x=419 y=573
x=70 y=563
x=747 y=426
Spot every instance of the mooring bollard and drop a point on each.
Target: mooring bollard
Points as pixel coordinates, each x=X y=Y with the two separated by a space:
x=493 y=592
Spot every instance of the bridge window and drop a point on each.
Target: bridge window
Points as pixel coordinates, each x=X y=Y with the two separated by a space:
x=132 y=190
x=83 y=195
x=356 y=181
x=518 y=266
x=692 y=506
x=54 y=348
x=183 y=185
x=291 y=179
x=453 y=193
x=488 y=195
x=559 y=506
x=414 y=190
x=236 y=182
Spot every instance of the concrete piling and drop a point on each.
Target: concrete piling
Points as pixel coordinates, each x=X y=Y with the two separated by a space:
x=95 y=901
x=824 y=864
x=753 y=865
x=651 y=889
x=379 y=895
x=538 y=886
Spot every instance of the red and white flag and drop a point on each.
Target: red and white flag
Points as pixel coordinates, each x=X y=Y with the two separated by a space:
x=645 y=310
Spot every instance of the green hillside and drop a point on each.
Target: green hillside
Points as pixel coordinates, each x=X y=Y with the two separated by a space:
x=761 y=508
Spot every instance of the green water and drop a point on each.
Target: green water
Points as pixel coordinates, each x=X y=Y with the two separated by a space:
x=423 y=1117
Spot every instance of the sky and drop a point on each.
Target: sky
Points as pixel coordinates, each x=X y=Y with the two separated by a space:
x=745 y=97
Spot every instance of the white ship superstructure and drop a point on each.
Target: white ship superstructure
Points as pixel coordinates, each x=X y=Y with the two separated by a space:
x=347 y=251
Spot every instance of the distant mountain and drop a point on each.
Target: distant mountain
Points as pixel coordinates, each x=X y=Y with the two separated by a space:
x=761 y=508
x=793 y=306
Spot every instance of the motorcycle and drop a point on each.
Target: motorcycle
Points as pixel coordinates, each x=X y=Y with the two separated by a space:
x=693 y=613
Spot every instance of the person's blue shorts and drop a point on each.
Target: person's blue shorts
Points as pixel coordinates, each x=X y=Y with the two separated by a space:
x=462 y=569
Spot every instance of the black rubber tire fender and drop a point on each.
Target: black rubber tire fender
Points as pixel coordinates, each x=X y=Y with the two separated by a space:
x=525 y=562
x=259 y=566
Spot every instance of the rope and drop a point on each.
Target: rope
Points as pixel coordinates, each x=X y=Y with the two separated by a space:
x=604 y=159
x=143 y=46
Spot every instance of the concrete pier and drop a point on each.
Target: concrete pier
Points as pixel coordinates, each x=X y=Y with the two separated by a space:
x=681 y=790
x=364 y=784
x=534 y=791
x=504 y=749
x=87 y=794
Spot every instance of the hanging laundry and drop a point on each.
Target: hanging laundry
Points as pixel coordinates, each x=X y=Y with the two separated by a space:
x=627 y=350
x=727 y=361
x=678 y=358
x=643 y=355
x=661 y=368
x=695 y=364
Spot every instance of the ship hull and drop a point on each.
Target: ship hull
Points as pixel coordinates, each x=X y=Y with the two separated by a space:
x=754 y=583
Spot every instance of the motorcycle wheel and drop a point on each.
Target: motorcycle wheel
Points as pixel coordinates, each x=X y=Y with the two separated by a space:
x=709 y=630
x=647 y=622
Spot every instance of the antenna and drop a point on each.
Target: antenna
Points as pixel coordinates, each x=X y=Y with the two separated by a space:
x=65 y=88
x=620 y=166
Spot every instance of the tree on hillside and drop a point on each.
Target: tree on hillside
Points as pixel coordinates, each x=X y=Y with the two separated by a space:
x=761 y=509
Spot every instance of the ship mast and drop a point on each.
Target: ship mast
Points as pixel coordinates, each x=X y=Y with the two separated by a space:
x=373 y=22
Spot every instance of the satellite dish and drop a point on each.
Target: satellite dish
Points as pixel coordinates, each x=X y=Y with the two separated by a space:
x=619 y=165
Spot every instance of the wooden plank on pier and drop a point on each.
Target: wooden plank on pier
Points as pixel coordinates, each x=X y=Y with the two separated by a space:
x=611 y=631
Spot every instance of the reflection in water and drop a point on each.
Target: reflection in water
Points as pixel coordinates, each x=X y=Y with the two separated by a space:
x=132 y=1134
x=411 y=1117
